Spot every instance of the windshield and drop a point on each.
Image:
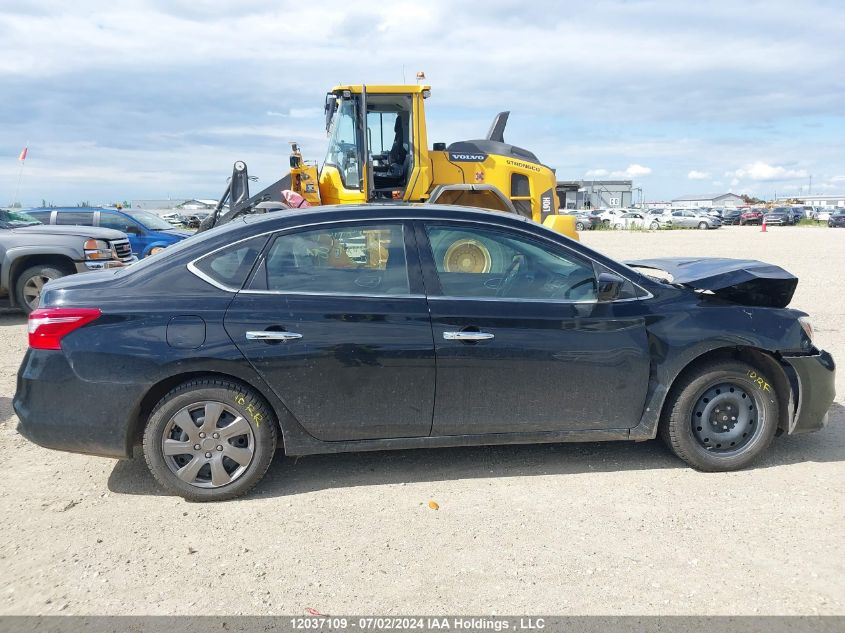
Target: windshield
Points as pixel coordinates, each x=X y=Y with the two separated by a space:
x=15 y=219
x=150 y=220
x=343 y=144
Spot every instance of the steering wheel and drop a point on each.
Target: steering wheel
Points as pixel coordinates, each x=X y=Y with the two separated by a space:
x=583 y=282
x=510 y=276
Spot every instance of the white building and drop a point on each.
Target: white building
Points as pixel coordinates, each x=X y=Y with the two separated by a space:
x=820 y=200
x=708 y=200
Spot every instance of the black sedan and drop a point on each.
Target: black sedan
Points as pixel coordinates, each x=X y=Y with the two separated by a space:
x=731 y=216
x=780 y=215
x=837 y=219
x=389 y=327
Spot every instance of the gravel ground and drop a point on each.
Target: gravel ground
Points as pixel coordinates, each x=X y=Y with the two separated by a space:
x=617 y=528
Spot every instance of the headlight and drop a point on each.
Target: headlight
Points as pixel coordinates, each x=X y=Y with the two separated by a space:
x=97 y=249
x=807 y=327
x=156 y=250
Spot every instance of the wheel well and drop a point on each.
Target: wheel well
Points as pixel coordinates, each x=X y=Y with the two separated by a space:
x=27 y=261
x=763 y=360
x=163 y=387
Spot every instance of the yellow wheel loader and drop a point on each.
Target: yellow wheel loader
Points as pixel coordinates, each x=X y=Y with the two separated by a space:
x=378 y=152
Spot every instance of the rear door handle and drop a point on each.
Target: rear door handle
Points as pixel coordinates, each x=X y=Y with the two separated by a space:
x=270 y=335
x=467 y=336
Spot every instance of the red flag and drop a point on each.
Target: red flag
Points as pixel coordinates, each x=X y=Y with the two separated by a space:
x=22 y=157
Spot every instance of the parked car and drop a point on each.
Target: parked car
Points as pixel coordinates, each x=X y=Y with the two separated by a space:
x=731 y=216
x=752 y=216
x=837 y=219
x=609 y=215
x=689 y=218
x=629 y=221
x=824 y=213
x=385 y=327
x=583 y=220
x=194 y=221
x=715 y=211
x=148 y=233
x=31 y=254
x=172 y=217
x=780 y=216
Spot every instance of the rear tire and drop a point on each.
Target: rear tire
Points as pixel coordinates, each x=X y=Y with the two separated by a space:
x=210 y=440
x=721 y=416
x=30 y=282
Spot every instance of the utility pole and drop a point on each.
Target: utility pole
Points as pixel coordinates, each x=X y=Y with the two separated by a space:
x=810 y=192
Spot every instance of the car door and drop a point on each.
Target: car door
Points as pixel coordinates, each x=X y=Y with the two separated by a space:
x=522 y=343
x=335 y=320
x=119 y=222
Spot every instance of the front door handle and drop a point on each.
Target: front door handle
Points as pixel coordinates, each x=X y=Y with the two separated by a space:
x=270 y=335
x=467 y=336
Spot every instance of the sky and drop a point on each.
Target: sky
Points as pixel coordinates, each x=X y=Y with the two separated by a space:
x=157 y=98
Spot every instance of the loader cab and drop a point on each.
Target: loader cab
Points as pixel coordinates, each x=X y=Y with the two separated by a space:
x=375 y=140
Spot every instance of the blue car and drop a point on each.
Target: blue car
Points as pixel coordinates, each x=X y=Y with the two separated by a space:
x=147 y=232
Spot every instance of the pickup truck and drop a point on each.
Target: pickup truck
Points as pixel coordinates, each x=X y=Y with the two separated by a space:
x=31 y=254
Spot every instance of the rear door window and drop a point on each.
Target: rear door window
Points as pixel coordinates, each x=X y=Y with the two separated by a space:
x=342 y=260
x=84 y=218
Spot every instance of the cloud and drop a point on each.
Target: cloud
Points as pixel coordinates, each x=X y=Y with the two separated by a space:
x=634 y=171
x=760 y=171
x=698 y=175
x=630 y=172
x=179 y=81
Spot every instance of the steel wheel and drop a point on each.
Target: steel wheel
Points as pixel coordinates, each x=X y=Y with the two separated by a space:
x=208 y=444
x=724 y=418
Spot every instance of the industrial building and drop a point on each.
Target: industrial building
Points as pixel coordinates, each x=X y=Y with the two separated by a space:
x=174 y=203
x=593 y=194
x=820 y=200
x=708 y=200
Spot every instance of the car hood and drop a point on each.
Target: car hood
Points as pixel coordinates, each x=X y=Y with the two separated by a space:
x=744 y=281
x=81 y=231
x=177 y=232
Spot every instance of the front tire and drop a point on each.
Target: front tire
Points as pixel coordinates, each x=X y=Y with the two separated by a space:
x=702 y=225
x=655 y=226
x=579 y=226
x=721 y=416
x=210 y=440
x=31 y=281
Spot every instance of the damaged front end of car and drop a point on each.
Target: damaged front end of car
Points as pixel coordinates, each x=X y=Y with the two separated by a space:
x=743 y=281
x=809 y=371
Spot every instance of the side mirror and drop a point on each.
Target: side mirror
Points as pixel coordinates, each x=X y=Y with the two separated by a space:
x=330 y=108
x=609 y=286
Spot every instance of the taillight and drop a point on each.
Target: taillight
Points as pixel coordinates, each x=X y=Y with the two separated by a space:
x=48 y=326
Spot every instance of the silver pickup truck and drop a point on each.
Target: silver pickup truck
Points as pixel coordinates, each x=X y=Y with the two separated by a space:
x=31 y=254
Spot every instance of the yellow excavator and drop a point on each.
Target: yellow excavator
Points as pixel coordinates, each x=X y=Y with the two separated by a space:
x=378 y=152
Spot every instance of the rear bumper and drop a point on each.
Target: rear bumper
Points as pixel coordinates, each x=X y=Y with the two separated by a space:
x=59 y=410
x=816 y=376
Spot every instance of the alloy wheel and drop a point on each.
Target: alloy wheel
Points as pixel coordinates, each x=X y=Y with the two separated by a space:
x=32 y=290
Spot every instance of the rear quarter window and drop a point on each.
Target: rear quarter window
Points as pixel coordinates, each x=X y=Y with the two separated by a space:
x=231 y=265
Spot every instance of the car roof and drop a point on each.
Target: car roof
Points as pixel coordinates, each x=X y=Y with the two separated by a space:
x=331 y=213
